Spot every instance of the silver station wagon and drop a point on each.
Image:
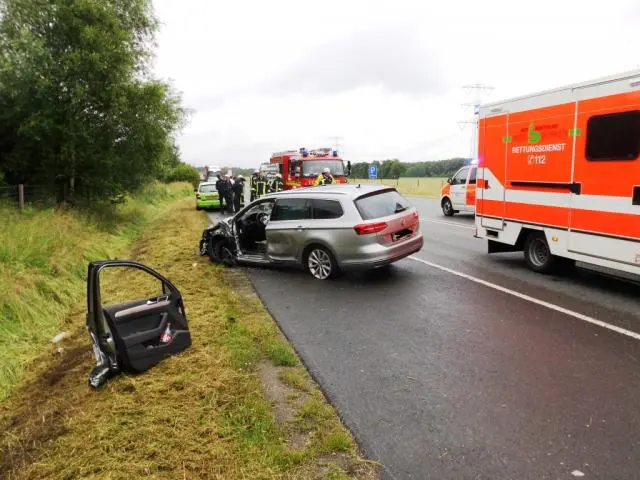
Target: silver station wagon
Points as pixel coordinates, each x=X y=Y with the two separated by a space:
x=323 y=229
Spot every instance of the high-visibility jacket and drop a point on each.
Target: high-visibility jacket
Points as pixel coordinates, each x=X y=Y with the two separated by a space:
x=259 y=188
x=277 y=185
x=322 y=180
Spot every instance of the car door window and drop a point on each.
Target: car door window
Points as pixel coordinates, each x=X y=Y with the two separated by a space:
x=291 y=209
x=140 y=285
x=135 y=318
x=326 y=209
x=472 y=176
x=460 y=177
x=257 y=210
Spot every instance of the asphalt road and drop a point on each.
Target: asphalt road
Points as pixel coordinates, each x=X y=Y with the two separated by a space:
x=442 y=376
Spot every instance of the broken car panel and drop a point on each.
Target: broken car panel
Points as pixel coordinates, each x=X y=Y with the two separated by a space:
x=135 y=335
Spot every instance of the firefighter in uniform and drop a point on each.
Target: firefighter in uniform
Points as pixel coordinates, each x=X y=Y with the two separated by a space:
x=277 y=185
x=259 y=186
x=325 y=178
x=254 y=185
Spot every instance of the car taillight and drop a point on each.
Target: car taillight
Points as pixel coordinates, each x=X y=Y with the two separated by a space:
x=367 y=228
x=416 y=217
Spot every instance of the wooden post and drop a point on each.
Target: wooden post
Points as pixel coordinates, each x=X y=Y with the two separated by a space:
x=21 y=196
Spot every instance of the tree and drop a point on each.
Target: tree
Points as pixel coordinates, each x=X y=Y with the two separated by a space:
x=395 y=168
x=78 y=105
x=183 y=172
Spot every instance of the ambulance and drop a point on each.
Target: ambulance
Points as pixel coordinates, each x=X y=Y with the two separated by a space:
x=459 y=193
x=559 y=175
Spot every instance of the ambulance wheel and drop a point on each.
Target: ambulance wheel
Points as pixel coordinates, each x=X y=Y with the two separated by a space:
x=320 y=263
x=538 y=255
x=447 y=207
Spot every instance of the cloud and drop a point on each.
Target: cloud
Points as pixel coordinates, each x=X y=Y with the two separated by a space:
x=398 y=59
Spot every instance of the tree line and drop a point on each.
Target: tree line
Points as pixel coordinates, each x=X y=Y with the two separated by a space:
x=80 y=111
x=394 y=168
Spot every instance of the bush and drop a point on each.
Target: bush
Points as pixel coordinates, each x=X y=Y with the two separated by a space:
x=183 y=173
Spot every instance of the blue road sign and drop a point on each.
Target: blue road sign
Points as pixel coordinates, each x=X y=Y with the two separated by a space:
x=373 y=171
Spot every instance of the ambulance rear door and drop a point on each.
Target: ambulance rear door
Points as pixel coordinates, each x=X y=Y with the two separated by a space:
x=605 y=217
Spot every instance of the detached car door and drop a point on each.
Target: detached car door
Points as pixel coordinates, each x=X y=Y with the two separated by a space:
x=144 y=321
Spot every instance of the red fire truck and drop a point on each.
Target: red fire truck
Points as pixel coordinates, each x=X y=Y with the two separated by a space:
x=301 y=168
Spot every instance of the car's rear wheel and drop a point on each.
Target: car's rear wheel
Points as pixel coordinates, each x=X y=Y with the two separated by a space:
x=538 y=255
x=447 y=207
x=320 y=263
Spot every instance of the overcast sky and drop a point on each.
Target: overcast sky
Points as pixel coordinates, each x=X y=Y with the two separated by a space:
x=385 y=76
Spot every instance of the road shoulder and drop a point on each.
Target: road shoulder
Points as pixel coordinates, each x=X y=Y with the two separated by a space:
x=210 y=412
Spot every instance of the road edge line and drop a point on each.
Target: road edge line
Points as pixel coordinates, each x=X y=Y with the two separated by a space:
x=522 y=296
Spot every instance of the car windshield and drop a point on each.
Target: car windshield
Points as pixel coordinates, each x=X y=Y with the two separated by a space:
x=313 y=168
x=381 y=204
x=208 y=189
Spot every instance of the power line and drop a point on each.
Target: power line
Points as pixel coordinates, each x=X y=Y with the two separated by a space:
x=479 y=90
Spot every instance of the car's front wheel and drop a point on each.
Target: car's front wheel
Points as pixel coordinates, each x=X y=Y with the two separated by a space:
x=447 y=207
x=226 y=252
x=320 y=263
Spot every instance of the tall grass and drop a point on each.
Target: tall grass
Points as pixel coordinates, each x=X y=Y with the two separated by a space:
x=43 y=262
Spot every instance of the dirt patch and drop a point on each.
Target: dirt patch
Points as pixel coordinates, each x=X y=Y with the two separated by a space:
x=277 y=392
x=45 y=403
x=240 y=282
x=285 y=402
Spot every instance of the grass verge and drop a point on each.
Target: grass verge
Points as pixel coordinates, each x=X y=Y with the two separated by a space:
x=43 y=258
x=420 y=187
x=202 y=414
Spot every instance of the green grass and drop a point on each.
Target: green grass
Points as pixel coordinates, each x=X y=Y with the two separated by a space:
x=281 y=354
x=421 y=187
x=338 y=441
x=43 y=261
x=201 y=414
x=294 y=379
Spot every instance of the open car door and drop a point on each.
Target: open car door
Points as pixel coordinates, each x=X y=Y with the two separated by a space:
x=135 y=334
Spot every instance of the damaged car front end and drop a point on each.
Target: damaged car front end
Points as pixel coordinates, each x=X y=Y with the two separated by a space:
x=219 y=243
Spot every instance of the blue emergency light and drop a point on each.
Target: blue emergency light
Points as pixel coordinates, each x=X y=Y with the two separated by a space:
x=335 y=153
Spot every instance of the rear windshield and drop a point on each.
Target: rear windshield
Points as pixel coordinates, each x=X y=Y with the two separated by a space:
x=208 y=189
x=383 y=204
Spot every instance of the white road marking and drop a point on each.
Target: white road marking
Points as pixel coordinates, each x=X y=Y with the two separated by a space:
x=557 y=308
x=444 y=222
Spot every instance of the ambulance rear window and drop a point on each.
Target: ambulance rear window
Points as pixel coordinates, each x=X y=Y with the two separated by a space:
x=614 y=136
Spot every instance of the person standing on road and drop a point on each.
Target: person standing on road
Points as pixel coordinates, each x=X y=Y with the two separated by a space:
x=228 y=194
x=254 y=185
x=238 y=190
x=277 y=184
x=325 y=178
x=260 y=185
x=221 y=194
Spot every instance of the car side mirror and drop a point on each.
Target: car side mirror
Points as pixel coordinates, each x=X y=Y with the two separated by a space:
x=449 y=181
x=195 y=190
